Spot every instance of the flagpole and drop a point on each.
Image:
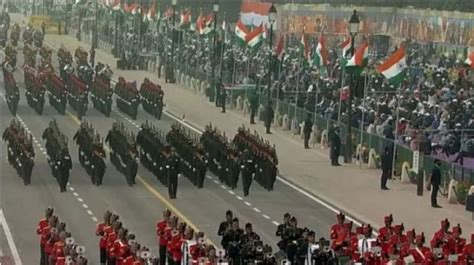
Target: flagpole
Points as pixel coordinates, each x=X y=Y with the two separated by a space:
x=396 y=128
x=222 y=48
x=340 y=101
x=279 y=82
x=363 y=115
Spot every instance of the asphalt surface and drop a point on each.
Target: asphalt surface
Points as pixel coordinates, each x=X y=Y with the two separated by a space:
x=140 y=206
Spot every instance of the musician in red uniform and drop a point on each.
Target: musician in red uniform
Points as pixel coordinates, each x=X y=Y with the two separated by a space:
x=111 y=238
x=174 y=245
x=198 y=250
x=339 y=226
x=420 y=253
x=58 y=248
x=456 y=243
x=43 y=223
x=468 y=252
x=442 y=235
x=161 y=227
x=188 y=245
x=386 y=232
x=121 y=246
x=47 y=236
x=398 y=238
x=100 y=231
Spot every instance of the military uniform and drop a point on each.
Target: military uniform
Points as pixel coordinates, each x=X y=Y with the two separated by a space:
x=127 y=98
x=124 y=151
x=20 y=150
x=152 y=98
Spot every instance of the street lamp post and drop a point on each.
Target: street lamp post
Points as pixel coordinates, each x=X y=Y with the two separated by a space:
x=215 y=9
x=78 y=34
x=170 y=71
x=271 y=18
x=353 y=30
x=95 y=34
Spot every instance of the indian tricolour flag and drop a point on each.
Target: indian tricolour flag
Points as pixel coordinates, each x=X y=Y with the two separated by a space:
x=470 y=60
x=346 y=47
x=360 y=57
x=394 y=69
x=186 y=18
x=280 y=47
x=241 y=32
x=115 y=5
x=255 y=38
x=320 y=57
x=304 y=49
x=151 y=14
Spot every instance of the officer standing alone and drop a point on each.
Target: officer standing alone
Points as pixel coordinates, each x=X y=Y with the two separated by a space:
x=222 y=95
x=269 y=117
x=435 y=181
x=335 y=141
x=307 y=129
x=253 y=100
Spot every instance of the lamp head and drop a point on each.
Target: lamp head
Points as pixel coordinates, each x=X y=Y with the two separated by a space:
x=354 y=23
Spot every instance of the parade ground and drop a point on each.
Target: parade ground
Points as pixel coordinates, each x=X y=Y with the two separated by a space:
x=307 y=186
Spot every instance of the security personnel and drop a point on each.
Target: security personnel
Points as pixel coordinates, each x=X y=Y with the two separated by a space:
x=172 y=171
x=269 y=115
x=335 y=142
x=247 y=166
x=253 y=100
x=225 y=227
x=281 y=228
x=307 y=129
x=435 y=182
x=222 y=95
x=234 y=170
x=232 y=240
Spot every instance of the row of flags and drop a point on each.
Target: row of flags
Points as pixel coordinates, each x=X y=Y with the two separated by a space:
x=394 y=68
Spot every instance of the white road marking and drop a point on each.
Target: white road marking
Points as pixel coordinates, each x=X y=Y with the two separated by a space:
x=215 y=181
x=80 y=199
x=8 y=235
x=41 y=148
x=44 y=153
x=275 y=223
x=239 y=198
x=231 y=192
x=266 y=216
x=89 y=212
x=257 y=210
x=248 y=203
x=75 y=194
x=34 y=140
x=70 y=188
x=85 y=206
x=94 y=219
x=224 y=187
x=209 y=177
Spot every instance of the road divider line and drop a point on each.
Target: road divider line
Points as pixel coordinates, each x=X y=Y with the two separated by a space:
x=275 y=223
x=8 y=235
x=266 y=216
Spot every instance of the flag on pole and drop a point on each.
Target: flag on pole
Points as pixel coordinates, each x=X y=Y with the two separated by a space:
x=115 y=5
x=255 y=38
x=129 y=7
x=204 y=24
x=304 y=49
x=346 y=47
x=280 y=47
x=470 y=60
x=320 y=57
x=394 y=69
x=241 y=32
x=151 y=14
x=185 y=18
x=360 y=57
x=168 y=13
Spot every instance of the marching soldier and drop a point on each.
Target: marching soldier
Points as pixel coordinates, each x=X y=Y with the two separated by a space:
x=269 y=115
